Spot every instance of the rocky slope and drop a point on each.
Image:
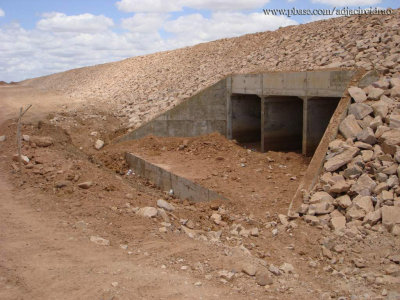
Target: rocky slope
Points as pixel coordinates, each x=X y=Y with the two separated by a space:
x=360 y=186
x=138 y=88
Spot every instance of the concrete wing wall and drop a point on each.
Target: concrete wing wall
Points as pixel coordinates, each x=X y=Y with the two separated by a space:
x=201 y=114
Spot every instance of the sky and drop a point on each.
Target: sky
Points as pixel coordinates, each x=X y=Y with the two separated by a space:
x=40 y=37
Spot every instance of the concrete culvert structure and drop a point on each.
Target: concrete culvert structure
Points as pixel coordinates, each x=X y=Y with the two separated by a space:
x=285 y=111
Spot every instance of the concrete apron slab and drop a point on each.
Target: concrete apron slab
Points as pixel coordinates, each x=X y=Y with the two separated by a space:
x=182 y=188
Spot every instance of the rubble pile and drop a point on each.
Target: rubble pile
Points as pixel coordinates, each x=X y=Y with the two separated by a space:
x=360 y=182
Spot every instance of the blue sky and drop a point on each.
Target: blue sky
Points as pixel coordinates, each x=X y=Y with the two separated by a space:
x=42 y=36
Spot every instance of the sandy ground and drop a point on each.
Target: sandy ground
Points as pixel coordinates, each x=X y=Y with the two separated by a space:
x=48 y=220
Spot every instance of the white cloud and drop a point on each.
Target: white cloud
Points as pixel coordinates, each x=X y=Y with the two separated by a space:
x=338 y=3
x=59 y=22
x=229 y=5
x=2 y=13
x=195 y=28
x=158 y=6
x=61 y=42
x=144 y=22
x=162 y=6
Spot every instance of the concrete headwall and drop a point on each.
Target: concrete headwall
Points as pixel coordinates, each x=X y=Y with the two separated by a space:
x=324 y=83
x=183 y=188
x=201 y=114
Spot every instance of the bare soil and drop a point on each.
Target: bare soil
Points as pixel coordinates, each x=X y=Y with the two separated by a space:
x=47 y=219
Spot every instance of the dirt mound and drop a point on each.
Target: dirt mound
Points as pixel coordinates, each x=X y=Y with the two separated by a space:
x=141 y=87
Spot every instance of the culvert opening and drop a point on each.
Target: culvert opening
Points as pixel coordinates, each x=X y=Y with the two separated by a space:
x=282 y=123
x=246 y=120
x=319 y=112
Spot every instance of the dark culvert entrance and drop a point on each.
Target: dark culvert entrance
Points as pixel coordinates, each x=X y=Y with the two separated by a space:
x=319 y=113
x=282 y=123
x=246 y=120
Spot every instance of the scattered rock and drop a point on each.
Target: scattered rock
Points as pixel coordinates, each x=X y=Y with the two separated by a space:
x=25 y=159
x=41 y=141
x=224 y=274
x=99 y=144
x=99 y=241
x=216 y=218
x=287 y=268
x=148 y=212
x=263 y=279
x=165 y=205
x=85 y=185
x=249 y=269
x=2 y=138
x=60 y=184
x=254 y=231
x=274 y=270
x=338 y=223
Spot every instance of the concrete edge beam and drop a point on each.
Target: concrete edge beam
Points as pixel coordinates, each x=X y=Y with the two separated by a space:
x=183 y=188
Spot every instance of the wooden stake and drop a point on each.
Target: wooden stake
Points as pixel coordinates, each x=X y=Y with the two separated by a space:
x=19 y=142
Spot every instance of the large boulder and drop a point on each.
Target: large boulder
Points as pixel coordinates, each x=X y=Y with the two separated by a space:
x=357 y=94
x=334 y=163
x=373 y=217
x=349 y=127
x=380 y=109
x=364 y=203
x=375 y=93
x=394 y=121
x=389 y=140
x=319 y=197
x=360 y=110
x=364 y=185
x=367 y=136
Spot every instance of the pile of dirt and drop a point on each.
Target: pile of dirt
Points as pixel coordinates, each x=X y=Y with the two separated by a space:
x=141 y=87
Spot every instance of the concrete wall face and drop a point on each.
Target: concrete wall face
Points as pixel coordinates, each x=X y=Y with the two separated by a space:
x=283 y=123
x=201 y=114
x=319 y=112
x=165 y=180
x=246 y=118
x=232 y=108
